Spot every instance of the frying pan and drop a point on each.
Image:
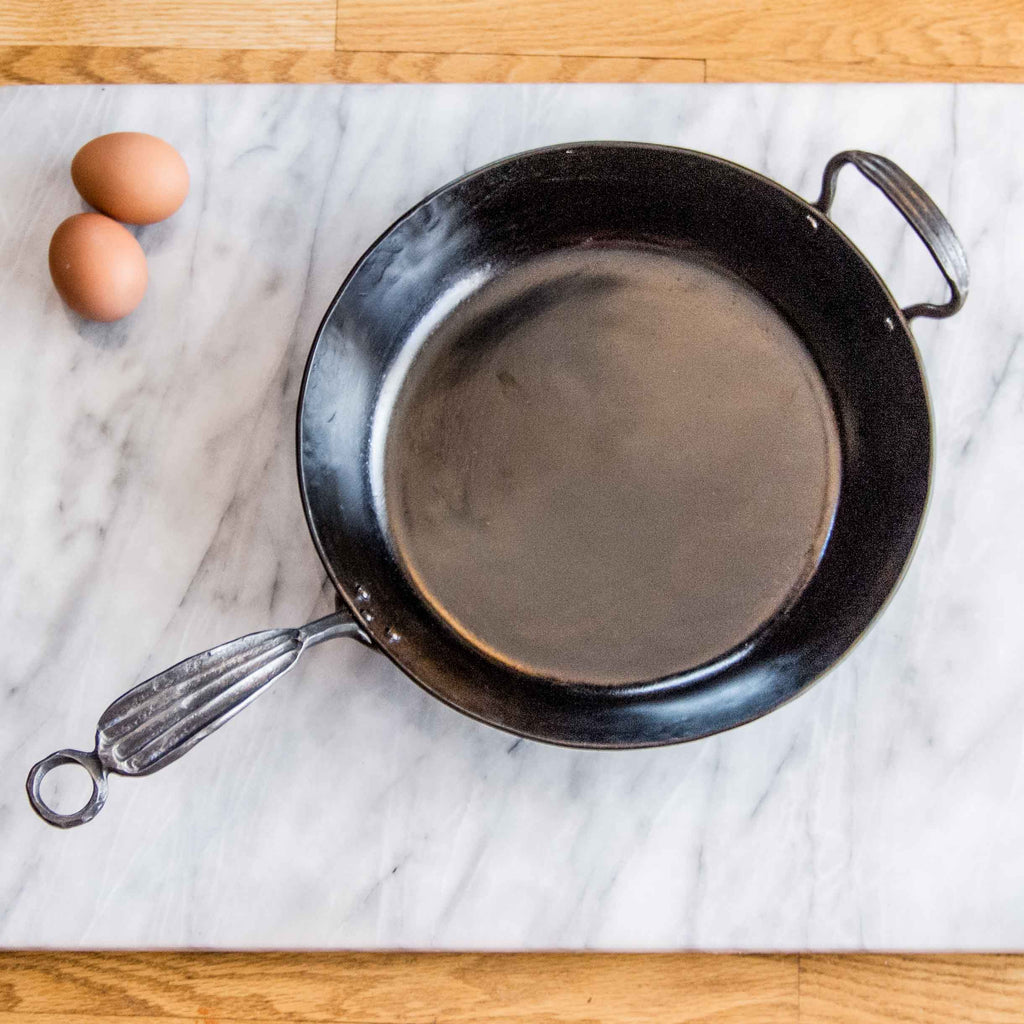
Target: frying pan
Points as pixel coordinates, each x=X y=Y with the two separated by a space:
x=604 y=444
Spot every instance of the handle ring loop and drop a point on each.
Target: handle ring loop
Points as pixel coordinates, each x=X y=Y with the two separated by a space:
x=97 y=774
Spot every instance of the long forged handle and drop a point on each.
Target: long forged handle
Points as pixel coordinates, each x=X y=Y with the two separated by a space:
x=157 y=721
x=920 y=212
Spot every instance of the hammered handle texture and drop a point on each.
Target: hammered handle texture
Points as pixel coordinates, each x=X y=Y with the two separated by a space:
x=921 y=214
x=157 y=721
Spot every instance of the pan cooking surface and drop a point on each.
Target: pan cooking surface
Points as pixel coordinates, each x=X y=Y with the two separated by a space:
x=610 y=464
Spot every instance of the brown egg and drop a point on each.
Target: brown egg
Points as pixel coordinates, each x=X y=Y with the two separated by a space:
x=97 y=266
x=131 y=176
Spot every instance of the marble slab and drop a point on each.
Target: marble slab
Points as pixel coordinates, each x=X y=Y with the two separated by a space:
x=149 y=509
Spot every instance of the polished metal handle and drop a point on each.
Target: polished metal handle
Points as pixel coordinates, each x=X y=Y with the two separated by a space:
x=156 y=722
x=921 y=214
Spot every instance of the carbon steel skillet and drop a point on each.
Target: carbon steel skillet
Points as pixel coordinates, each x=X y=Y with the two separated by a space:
x=607 y=445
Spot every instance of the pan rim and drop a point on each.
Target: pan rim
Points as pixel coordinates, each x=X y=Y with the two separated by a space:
x=620 y=693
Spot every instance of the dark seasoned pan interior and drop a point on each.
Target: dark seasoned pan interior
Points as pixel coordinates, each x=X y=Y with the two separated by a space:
x=610 y=463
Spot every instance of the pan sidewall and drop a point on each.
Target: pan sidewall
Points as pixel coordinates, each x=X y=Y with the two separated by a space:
x=812 y=274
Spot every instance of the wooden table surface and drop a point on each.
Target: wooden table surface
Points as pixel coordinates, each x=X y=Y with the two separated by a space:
x=497 y=41
x=490 y=41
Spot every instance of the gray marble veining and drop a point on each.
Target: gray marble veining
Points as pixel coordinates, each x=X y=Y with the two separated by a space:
x=150 y=510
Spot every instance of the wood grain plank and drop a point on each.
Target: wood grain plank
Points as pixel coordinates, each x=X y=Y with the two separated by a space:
x=864 y=71
x=545 y=988
x=69 y=64
x=986 y=32
x=207 y=988
x=198 y=1018
x=126 y=65
x=875 y=989
x=234 y=23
